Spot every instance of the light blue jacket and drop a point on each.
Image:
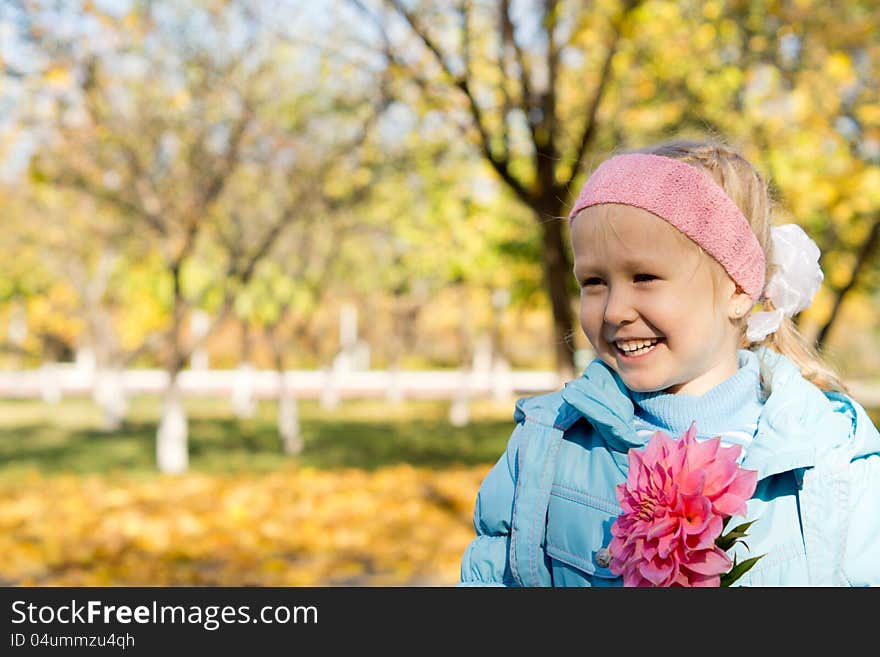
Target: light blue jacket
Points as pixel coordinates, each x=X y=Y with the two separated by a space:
x=546 y=508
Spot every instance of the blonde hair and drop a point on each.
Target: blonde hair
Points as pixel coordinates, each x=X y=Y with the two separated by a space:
x=745 y=186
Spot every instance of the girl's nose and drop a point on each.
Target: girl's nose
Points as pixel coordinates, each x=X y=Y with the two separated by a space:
x=619 y=308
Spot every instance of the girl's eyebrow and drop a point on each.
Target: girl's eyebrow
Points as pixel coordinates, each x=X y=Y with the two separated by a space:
x=644 y=263
x=630 y=264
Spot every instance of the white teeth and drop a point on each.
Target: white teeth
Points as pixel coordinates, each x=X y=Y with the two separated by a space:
x=633 y=346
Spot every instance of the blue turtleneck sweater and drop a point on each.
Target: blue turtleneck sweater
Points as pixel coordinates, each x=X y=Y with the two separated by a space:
x=730 y=409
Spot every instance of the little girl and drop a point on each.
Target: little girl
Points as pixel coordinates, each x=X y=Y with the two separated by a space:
x=673 y=251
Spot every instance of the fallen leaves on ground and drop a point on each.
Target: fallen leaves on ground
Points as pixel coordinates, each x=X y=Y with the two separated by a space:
x=394 y=526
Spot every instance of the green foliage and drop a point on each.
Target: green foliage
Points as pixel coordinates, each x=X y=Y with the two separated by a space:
x=735 y=535
x=738 y=570
x=726 y=542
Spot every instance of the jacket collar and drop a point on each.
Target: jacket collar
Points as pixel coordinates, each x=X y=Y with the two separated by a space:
x=797 y=425
x=601 y=397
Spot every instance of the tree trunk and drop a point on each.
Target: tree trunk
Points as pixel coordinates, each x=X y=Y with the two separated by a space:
x=557 y=272
x=502 y=383
x=329 y=390
x=109 y=395
x=50 y=385
x=172 y=451
x=288 y=417
x=244 y=404
x=288 y=409
x=171 y=438
x=394 y=392
x=459 y=410
x=864 y=256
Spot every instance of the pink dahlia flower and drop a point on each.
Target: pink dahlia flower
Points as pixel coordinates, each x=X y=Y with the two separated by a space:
x=674 y=503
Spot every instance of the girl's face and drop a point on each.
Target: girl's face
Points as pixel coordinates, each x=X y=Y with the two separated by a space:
x=651 y=306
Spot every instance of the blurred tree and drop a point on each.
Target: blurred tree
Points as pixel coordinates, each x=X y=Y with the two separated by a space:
x=164 y=122
x=282 y=292
x=176 y=135
x=544 y=88
x=509 y=65
x=797 y=84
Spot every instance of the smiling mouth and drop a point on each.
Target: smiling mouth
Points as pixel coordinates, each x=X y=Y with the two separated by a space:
x=635 y=348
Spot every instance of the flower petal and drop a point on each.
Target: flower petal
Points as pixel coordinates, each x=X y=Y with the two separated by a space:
x=656 y=571
x=733 y=501
x=702 y=454
x=697 y=580
x=664 y=526
x=718 y=477
x=708 y=562
x=667 y=543
x=692 y=483
x=697 y=514
x=706 y=539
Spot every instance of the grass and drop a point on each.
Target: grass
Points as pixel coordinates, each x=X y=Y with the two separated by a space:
x=366 y=434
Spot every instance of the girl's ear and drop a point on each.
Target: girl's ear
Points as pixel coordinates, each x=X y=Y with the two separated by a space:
x=739 y=304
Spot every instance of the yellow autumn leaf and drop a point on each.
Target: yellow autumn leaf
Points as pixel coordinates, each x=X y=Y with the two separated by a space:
x=298 y=527
x=58 y=77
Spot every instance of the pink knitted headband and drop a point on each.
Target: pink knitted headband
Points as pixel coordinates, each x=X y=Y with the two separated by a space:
x=687 y=198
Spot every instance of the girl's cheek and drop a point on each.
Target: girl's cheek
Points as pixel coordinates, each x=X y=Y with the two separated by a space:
x=592 y=311
x=666 y=302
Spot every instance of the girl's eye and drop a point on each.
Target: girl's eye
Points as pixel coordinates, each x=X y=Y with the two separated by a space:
x=589 y=282
x=640 y=278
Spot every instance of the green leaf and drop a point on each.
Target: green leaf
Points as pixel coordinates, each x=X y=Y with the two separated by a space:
x=739 y=570
x=727 y=541
x=743 y=527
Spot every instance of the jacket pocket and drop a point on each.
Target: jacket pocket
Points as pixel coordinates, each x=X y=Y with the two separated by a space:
x=578 y=527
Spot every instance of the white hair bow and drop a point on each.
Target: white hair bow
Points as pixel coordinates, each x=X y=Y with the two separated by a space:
x=793 y=285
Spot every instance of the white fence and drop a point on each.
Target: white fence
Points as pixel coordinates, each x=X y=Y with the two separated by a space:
x=442 y=384
x=63 y=380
